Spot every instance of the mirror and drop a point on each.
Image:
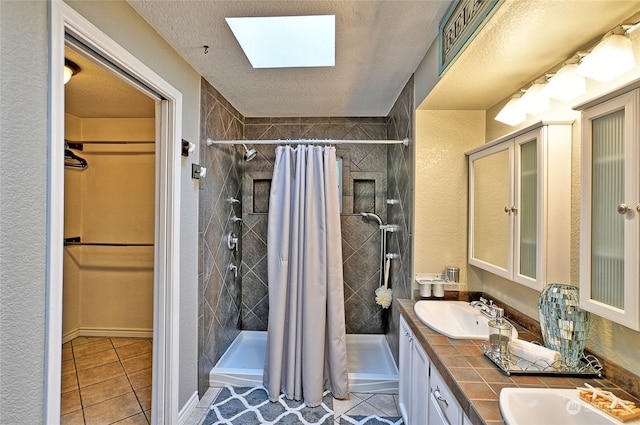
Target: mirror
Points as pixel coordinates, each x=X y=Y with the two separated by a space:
x=489 y=195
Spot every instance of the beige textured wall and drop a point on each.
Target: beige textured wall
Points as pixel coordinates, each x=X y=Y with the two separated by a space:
x=442 y=138
x=109 y=289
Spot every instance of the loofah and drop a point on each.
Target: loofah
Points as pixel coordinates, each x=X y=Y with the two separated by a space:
x=384 y=297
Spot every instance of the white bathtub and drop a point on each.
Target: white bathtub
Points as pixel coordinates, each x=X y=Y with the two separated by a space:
x=370 y=363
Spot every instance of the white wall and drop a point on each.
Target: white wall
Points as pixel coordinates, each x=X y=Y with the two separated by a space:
x=426 y=76
x=23 y=190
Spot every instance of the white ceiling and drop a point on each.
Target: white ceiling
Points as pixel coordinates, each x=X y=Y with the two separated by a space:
x=379 y=44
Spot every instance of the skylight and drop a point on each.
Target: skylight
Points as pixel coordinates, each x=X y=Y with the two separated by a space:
x=287 y=41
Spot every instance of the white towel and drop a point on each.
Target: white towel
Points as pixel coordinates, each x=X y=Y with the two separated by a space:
x=540 y=356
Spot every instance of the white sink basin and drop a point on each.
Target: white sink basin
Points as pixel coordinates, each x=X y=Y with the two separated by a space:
x=455 y=319
x=535 y=406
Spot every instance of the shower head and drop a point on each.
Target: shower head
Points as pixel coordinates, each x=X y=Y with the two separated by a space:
x=372 y=216
x=249 y=154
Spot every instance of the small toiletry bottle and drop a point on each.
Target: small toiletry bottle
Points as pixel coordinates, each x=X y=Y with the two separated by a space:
x=500 y=336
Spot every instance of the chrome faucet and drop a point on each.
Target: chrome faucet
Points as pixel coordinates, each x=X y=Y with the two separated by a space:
x=486 y=307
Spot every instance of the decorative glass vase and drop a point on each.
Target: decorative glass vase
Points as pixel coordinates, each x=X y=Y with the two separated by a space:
x=564 y=324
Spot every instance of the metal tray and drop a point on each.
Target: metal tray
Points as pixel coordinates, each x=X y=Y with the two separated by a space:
x=589 y=366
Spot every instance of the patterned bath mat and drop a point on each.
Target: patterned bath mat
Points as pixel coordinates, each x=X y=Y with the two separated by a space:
x=370 y=420
x=251 y=406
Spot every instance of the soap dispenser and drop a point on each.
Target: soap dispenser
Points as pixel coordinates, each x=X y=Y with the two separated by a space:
x=500 y=336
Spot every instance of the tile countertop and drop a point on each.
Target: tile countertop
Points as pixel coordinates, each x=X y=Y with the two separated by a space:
x=475 y=380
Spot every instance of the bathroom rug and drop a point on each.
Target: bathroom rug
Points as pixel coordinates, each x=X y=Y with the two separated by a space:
x=370 y=420
x=251 y=406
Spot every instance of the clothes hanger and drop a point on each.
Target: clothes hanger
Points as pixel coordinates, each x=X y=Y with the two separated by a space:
x=73 y=160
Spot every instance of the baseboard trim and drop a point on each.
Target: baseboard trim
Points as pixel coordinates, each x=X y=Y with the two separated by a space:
x=108 y=333
x=188 y=408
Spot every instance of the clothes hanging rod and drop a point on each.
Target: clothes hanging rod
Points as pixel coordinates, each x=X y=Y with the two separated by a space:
x=73 y=241
x=211 y=142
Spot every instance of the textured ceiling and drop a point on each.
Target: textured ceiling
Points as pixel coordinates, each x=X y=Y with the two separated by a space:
x=379 y=44
x=522 y=41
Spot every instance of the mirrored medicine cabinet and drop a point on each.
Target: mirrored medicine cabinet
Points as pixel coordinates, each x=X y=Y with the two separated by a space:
x=520 y=205
x=610 y=207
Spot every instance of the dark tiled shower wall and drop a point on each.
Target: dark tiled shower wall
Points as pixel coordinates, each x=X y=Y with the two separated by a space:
x=400 y=125
x=364 y=186
x=228 y=304
x=218 y=290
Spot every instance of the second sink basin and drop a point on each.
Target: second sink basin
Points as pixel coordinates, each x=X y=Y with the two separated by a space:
x=534 y=406
x=455 y=319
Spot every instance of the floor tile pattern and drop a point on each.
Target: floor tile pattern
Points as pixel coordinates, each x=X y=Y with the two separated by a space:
x=248 y=406
x=106 y=381
x=358 y=404
x=370 y=420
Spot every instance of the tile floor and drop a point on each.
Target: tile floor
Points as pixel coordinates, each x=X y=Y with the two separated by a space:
x=358 y=404
x=106 y=381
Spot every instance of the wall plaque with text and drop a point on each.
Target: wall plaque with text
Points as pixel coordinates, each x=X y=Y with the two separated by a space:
x=458 y=27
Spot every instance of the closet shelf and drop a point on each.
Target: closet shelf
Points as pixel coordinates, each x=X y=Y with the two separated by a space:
x=76 y=241
x=77 y=145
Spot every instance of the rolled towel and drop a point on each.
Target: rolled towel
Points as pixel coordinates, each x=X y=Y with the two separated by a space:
x=541 y=357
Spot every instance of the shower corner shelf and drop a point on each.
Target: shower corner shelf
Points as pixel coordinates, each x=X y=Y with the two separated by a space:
x=588 y=367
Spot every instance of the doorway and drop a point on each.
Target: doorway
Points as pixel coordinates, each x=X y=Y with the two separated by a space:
x=108 y=266
x=66 y=24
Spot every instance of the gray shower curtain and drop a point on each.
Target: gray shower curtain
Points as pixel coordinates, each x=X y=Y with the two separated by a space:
x=306 y=338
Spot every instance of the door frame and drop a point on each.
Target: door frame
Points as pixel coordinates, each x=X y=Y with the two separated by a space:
x=165 y=378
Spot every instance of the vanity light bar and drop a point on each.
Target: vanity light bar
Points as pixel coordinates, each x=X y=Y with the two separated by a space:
x=611 y=57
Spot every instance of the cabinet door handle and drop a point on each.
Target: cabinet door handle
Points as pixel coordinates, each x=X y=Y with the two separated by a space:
x=623 y=209
x=638 y=208
x=507 y=210
x=436 y=394
x=514 y=209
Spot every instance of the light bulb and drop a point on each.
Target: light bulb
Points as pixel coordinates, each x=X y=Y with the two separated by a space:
x=612 y=57
x=534 y=101
x=67 y=74
x=512 y=113
x=566 y=84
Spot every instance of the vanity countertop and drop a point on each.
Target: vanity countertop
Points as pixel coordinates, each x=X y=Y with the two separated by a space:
x=475 y=380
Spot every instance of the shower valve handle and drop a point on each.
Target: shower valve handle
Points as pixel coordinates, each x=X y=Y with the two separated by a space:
x=232 y=242
x=234 y=269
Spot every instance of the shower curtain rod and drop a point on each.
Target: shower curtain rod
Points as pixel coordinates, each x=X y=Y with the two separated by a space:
x=306 y=141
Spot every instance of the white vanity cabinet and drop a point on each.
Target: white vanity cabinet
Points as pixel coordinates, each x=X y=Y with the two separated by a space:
x=413 y=393
x=424 y=397
x=443 y=407
x=610 y=208
x=520 y=205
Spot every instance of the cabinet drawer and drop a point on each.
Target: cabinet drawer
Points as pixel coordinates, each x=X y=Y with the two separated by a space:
x=441 y=393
